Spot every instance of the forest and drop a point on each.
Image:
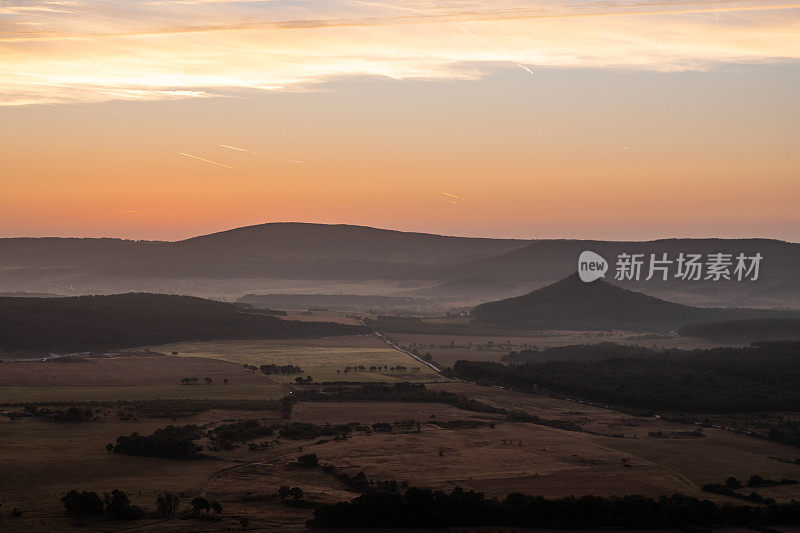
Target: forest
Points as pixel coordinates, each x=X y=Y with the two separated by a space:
x=94 y=323
x=764 y=377
x=745 y=331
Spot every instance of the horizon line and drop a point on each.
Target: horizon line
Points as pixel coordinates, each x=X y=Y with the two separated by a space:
x=529 y=240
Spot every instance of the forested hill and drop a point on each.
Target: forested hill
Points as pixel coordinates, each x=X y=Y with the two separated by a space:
x=571 y=304
x=91 y=323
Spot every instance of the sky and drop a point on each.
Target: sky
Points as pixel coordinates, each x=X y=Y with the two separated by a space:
x=164 y=119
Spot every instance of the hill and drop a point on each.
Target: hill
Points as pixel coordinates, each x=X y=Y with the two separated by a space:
x=93 y=323
x=306 y=251
x=261 y=259
x=571 y=304
x=545 y=261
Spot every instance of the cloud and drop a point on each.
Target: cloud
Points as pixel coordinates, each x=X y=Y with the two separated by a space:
x=93 y=50
x=209 y=161
x=237 y=148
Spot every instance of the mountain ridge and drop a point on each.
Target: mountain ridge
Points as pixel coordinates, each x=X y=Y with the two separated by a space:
x=424 y=263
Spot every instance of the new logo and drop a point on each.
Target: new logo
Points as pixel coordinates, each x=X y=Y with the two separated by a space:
x=591 y=266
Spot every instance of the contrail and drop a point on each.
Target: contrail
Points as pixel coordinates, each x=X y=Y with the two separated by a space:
x=483 y=41
x=454 y=196
x=237 y=149
x=212 y=162
x=477 y=38
x=526 y=69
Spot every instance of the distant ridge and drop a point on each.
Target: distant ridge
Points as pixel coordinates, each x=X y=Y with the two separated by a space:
x=571 y=304
x=231 y=263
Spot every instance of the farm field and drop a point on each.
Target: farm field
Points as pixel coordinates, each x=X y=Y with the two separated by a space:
x=80 y=393
x=612 y=453
x=343 y=317
x=124 y=371
x=139 y=377
x=524 y=457
x=493 y=347
x=508 y=457
x=319 y=358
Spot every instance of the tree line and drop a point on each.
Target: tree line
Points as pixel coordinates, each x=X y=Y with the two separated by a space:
x=720 y=380
x=423 y=508
x=273 y=369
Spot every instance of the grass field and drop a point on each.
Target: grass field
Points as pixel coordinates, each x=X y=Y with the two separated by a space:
x=319 y=358
x=509 y=457
x=124 y=371
x=447 y=349
x=41 y=460
x=140 y=392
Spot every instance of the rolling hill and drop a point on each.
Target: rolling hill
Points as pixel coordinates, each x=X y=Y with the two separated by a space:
x=546 y=261
x=279 y=250
x=338 y=258
x=92 y=323
x=571 y=304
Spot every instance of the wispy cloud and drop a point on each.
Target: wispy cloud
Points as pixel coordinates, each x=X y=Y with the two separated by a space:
x=237 y=148
x=455 y=199
x=210 y=161
x=94 y=50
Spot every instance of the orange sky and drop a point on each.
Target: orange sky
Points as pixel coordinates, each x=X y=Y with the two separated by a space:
x=149 y=119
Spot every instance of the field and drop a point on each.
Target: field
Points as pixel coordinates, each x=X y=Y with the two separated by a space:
x=124 y=371
x=447 y=349
x=321 y=316
x=610 y=453
x=79 y=393
x=319 y=358
x=129 y=378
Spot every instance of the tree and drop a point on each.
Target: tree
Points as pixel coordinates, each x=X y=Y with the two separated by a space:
x=308 y=461
x=109 y=447
x=208 y=381
x=82 y=503
x=118 y=506
x=296 y=493
x=733 y=483
x=225 y=381
x=216 y=507
x=284 y=492
x=200 y=504
x=167 y=504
